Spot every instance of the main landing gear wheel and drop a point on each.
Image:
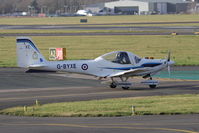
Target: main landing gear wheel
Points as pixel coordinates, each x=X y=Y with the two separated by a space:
x=113 y=85
x=125 y=87
x=152 y=86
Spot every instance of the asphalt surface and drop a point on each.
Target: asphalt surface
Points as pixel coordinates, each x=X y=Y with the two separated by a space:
x=18 y=88
x=133 y=124
x=142 y=30
x=95 y=27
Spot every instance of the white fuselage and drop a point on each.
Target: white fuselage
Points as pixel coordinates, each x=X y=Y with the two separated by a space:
x=113 y=64
x=102 y=68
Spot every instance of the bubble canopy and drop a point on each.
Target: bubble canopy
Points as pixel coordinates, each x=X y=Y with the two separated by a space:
x=121 y=57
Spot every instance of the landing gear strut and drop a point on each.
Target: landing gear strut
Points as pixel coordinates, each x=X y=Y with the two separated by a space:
x=125 y=85
x=152 y=85
x=113 y=84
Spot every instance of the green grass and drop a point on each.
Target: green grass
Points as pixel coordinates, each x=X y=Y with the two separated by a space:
x=98 y=19
x=184 y=48
x=24 y=31
x=156 y=105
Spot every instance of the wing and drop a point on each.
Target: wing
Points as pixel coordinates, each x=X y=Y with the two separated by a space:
x=129 y=72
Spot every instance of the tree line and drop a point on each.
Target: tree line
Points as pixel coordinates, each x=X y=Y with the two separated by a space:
x=45 y=6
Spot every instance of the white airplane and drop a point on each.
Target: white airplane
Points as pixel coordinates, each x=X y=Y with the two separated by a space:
x=83 y=13
x=114 y=65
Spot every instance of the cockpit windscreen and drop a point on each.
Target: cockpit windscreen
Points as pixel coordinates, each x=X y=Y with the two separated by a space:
x=118 y=57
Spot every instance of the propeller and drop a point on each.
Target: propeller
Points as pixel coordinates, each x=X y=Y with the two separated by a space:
x=168 y=60
x=169 y=56
x=169 y=70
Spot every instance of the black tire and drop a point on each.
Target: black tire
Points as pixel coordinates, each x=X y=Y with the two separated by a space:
x=125 y=87
x=152 y=86
x=113 y=85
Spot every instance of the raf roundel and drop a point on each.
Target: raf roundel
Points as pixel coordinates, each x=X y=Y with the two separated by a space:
x=84 y=66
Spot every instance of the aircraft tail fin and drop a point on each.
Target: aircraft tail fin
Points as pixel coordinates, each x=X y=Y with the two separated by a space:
x=28 y=55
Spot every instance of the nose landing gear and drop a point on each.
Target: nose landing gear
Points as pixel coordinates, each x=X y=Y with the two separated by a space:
x=151 y=83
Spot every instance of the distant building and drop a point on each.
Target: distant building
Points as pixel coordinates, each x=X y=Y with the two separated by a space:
x=141 y=7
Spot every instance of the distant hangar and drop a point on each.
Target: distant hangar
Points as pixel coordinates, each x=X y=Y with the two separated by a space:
x=141 y=7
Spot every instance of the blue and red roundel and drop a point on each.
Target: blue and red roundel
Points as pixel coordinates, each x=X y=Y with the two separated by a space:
x=84 y=67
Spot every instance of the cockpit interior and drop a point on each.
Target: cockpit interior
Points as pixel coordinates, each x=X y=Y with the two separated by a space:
x=122 y=57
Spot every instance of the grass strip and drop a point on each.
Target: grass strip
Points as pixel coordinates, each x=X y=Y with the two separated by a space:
x=151 y=105
x=13 y=31
x=98 y=19
x=184 y=49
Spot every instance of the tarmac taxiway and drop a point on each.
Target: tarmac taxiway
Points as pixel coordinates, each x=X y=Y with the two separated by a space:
x=18 y=88
x=135 y=124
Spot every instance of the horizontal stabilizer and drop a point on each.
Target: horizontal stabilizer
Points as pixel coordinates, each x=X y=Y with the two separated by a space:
x=39 y=71
x=36 y=66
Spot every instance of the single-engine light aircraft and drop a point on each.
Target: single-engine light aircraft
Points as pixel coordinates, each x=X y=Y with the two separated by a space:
x=114 y=65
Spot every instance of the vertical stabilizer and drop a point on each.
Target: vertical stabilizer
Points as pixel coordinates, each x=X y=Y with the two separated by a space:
x=28 y=55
